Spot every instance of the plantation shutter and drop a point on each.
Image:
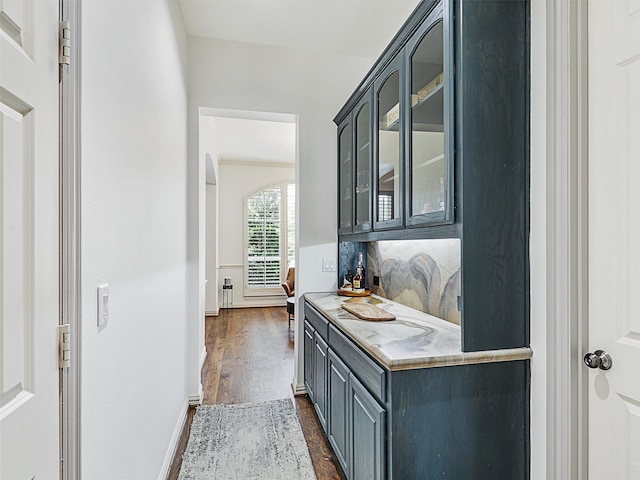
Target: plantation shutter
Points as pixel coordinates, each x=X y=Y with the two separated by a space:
x=263 y=242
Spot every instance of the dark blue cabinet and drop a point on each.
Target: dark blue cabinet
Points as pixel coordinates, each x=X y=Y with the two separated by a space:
x=338 y=415
x=350 y=415
x=451 y=153
x=467 y=421
x=320 y=378
x=367 y=434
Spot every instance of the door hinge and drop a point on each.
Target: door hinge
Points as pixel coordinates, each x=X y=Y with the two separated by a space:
x=64 y=346
x=64 y=42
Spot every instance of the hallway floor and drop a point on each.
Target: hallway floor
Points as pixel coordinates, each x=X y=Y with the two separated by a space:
x=250 y=359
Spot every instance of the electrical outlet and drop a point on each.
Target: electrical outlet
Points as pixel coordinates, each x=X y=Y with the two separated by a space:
x=328 y=265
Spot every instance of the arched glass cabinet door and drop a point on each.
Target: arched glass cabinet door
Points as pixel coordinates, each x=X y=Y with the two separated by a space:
x=429 y=170
x=345 y=184
x=388 y=202
x=363 y=154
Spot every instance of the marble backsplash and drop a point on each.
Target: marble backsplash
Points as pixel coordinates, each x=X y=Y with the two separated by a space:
x=421 y=274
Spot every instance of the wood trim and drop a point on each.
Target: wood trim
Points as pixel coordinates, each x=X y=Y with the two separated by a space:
x=567 y=410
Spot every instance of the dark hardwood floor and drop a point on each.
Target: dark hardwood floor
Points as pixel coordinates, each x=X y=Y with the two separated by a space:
x=250 y=359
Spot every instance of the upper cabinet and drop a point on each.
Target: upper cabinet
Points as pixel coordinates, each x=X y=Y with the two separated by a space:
x=363 y=154
x=429 y=192
x=388 y=203
x=345 y=175
x=448 y=102
x=403 y=140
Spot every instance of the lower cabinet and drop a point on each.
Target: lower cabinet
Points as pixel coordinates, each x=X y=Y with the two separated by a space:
x=466 y=422
x=338 y=421
x=352 y=418
x=367 y=434
x=320 y=375
x=308 y=360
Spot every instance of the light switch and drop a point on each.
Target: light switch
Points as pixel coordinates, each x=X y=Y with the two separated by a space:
x=328 y=265
x=103 y=305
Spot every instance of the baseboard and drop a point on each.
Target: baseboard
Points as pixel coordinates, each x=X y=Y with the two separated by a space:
x=203 y=357
x=194 y=400
x=298 y=389
x=213 y=313
x=173 y=443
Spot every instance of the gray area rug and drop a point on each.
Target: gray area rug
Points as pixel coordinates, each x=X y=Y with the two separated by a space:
x=250 y=441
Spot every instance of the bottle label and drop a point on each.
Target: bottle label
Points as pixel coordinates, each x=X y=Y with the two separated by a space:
x=356 y=283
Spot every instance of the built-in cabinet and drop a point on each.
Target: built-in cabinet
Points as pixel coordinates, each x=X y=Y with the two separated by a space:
x=465 y=421
x=352 y=418
x=403 y=126
x=450 y=154
x=434 y=143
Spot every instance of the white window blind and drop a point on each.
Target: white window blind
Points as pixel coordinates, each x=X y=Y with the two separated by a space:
x=263 y=242
x=270 y=238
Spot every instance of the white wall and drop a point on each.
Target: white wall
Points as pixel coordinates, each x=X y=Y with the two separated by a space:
x=238 y=76
x=212 y=297
x=135 y=383
x=538 y=251
x=237 y=181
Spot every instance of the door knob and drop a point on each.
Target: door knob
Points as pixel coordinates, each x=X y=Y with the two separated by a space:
x=598 y=359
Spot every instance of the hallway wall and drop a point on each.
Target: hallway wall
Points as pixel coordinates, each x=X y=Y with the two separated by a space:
x=134 y=383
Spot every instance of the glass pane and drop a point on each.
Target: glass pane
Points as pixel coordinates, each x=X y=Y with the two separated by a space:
x=363 y=169
x=346 y=199
x=389 y=146
x=428 y=172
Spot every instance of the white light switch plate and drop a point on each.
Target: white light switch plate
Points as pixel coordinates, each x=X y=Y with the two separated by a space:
x=328 y=265
x=103 y=305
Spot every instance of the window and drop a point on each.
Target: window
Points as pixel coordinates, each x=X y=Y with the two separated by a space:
x=385 y=207
x=269 y=238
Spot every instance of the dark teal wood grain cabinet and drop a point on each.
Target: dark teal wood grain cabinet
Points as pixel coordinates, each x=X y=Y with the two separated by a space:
x=451 y=153
x=338 y=420
x=459 y=420
x=367 y=434
x=352 y=417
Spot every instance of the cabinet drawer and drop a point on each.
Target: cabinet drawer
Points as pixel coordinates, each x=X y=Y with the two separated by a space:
x=317 y=321
x=366 y=370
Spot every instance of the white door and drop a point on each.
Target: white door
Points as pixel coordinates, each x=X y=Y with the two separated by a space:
x=614 y=237
x=29 y=253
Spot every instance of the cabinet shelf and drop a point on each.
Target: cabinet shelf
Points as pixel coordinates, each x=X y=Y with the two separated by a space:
x=427 y=115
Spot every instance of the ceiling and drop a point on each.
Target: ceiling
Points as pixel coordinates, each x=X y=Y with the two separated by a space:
x=348 y=27
x=249 y=140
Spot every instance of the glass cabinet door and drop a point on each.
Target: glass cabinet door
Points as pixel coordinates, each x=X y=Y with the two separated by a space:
x=345 y=174
x=429 y=196
x=362 y=122
x=389 y=109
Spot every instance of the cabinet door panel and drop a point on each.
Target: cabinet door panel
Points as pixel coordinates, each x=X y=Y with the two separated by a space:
x=389 y=184
x=429 y=173
x=320 y=379
x=308 y=360
x=363 y=153
x=338 y=419
x=345 y=175
x=367 y=434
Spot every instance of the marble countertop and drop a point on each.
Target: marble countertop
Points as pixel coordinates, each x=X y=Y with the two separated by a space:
x=413 y=340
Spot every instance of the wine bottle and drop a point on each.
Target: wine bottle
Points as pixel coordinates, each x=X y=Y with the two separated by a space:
x=359 y=277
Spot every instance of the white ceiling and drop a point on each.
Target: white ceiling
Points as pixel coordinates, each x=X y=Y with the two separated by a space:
x=350 y=27
x=248 y=140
